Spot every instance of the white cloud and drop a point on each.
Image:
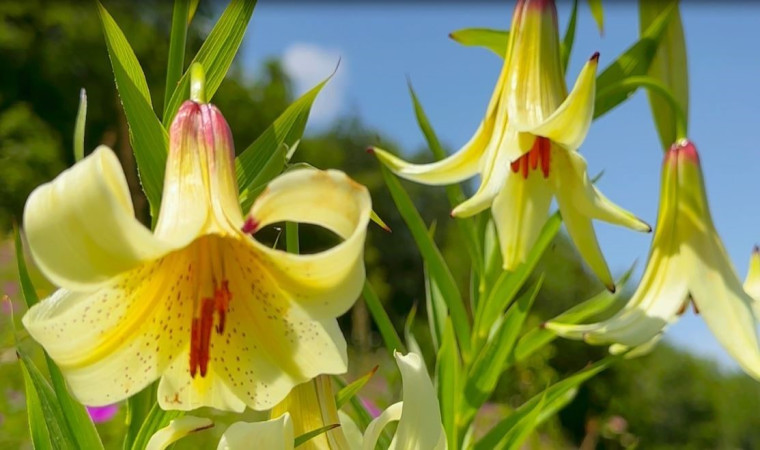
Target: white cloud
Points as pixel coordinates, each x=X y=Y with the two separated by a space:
x=307 y=65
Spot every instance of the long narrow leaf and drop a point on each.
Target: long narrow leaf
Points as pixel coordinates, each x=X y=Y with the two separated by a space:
x=148 y=138
x=139 y=408
x=554 y=393
x=35 y=416
x=635 y=61
x=383 y=322
x=566 y=46
x=348 y=391
x=509 y=283
x=436 y=309
x=448 y=382
x=58 y=430
x=79 y=124
x=669 y=67
x=454 y=191
x=598 y=12
x=216 y=54
x=494 y=40
x=286 y=130
x=439 y=271
x=177 y=43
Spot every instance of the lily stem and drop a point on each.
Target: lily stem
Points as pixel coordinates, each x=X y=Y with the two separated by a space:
x=198 y=83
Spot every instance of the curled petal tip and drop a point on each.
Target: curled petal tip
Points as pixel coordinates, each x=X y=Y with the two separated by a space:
x=250 y=226
x=756 y=249
x=371 y=150
x=542 y=325
x=611 y=288
x=594 y=57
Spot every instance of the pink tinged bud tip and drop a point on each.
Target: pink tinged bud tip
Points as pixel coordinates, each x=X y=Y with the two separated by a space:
x=250 y=226
x=594 y=57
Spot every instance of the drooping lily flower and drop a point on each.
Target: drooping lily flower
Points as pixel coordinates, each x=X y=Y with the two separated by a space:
x=525 y=149
x=222 y=319
x=418 y=414
x=687 y=264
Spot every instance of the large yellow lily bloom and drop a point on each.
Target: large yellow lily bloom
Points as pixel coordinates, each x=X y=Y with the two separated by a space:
x=525 y=149
x=220 y=318
x=687 y=264
x=313 y=406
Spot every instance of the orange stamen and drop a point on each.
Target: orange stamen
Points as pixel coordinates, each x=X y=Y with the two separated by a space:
x=540 y=153
x=200 y=331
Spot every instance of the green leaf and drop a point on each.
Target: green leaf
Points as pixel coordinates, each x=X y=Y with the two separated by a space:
x=598 y=12
x=362 y=417
x=635 y=61
x=596 y=305
x=509 y=283
x=347 y=392
x=177 y=43
x=156 y=419
x=271 y=168
x=554 y=394
x=302 y=439
x=516 y=436
x=411 y=341
x=453 y=192
x=439 y=271
x=494 y=40
x=448 y=382
x=491 y=361
x=286 y=130
x=58 y=430
x=139 y=408
x=148 y=138
x=383 y=322
x=216 y=54
x=35 y=416
x=77 y=420
x=435 y=306
x=79 y=124
x=566 y=46
x=669 y=67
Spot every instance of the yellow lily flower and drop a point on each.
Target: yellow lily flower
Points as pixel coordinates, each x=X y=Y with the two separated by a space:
x=176 y=430
x=312 y=406
x=687 y=264
x=525 y=149
x=222 y=319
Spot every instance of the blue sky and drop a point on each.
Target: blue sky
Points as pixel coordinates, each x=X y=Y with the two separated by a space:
x=380 y=45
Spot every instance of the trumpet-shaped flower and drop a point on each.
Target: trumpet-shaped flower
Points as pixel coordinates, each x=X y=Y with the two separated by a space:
x=752 y=282
x=525 y=149
x=222 y=319
x=687 y=263
x=313 y=407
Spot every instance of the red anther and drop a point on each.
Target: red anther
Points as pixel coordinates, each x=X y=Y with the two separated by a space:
x=534 y=156
x=250 y=226
x=515 y=165
x=206 y=321
x=545 y=148
x=525 y=167
x=195 y=345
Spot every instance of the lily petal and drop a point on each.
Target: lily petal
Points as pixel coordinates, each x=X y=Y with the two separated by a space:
x=372 y=433
x=81 y=226
x=420 y=424
x=176 y=430
x=569 y=124
x=456 y=167
x=575 y=189
x=325 y=283
x=179 y=391
x=519 y=212
x=111 y=343
x=752 y=282
x=275 y=434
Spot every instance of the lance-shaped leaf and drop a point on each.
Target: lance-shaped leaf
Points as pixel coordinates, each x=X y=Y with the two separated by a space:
x=669 y=66
x=387 y=331
x=148 y=138
x=431 y=255
x=635 y=61
x=448 y=376
x=177 y=41
x=553 y=398
x=79 y=124
x=348 y=391
x=494 y=40
x=216 y=54
x=598 y=12
x=285 y=131
x=567 y=42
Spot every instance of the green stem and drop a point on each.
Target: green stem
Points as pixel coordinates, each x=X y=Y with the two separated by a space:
x=654 y=86
x=177 y=43
x=291 y=237
x=197 y=83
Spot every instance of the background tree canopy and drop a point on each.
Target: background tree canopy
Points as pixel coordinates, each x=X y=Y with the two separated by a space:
x=51 y=49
